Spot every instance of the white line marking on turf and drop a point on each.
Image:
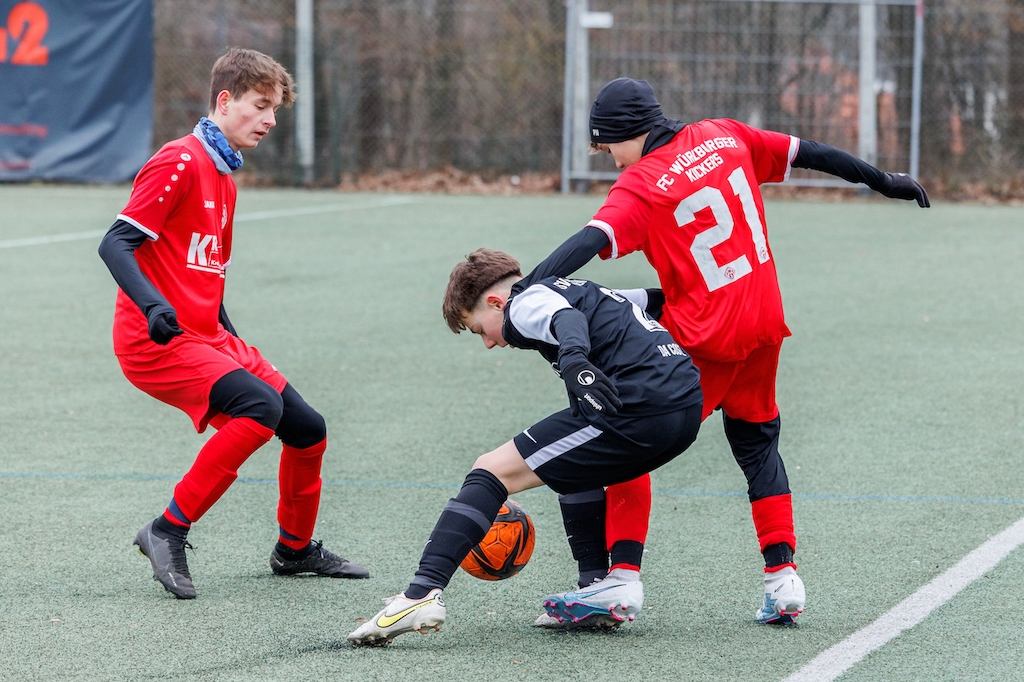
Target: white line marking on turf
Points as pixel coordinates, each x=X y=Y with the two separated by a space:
x=69 y=237
x=324 y=208
x=834 y=661
x=242 y=218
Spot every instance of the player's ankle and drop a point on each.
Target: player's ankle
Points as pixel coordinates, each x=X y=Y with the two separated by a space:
x=166 y=529
x=588 y=578
x=625 y=574
x=777 y=556
x=415 y=591
x=292 y=554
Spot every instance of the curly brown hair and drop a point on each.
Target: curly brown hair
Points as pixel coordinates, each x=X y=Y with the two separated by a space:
x=239 y=71
x=471 y=278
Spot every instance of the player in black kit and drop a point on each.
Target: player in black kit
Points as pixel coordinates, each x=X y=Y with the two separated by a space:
x=635 y=404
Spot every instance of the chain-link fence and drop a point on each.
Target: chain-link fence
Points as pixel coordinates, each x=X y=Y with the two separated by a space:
x=478 y=84
x=787 y=66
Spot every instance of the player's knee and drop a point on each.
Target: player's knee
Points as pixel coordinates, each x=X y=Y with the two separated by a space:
x=304 y=432
x=508 y=466
x=301 y=426
x=268 y=407
x=241 y=394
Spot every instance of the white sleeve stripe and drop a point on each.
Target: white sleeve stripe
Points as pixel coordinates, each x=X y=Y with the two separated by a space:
x=637 y=296
x=148 y=232
x=532 y=311
x=607 y=229
x=794 y=147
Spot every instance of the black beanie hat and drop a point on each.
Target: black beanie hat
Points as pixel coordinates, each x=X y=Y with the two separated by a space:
x=624 y=109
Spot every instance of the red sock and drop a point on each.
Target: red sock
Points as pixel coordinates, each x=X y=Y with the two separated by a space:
x=628 y=512
x=216 y=466
x=299 y=480
x=773 y=520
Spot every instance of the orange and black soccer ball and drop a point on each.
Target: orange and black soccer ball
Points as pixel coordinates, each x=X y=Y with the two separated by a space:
x=506 y=548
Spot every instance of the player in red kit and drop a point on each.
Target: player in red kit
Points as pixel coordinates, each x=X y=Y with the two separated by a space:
x=168 y=251
x=688 y=199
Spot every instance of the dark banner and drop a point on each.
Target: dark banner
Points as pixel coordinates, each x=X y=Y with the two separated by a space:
x=76 y=89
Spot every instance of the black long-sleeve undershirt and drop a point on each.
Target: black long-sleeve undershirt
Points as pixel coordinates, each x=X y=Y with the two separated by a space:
x=827 y=159
x=118 y=253
x=117 y=249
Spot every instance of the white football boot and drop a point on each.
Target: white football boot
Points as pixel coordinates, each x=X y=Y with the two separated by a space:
x=399 y=616
x=612 y=596
x=599 y=622
x=784 y=597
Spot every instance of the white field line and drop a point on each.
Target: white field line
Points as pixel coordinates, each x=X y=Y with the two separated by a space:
x=324 y=208
x=51 y=239
x=834 y=661
x=242 y=218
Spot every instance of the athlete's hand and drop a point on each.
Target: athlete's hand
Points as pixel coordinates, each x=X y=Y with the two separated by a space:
x=163 y=326
x=588 y=385
x=902 y=186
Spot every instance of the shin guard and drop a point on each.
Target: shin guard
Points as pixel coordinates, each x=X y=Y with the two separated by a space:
x=462 y=525
x=773 y=521
x=216 y=466
x=583 y=515
x=628 y=516
x=300 y=484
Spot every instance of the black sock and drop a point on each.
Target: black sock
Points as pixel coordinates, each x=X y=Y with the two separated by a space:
x=290 y=554
x=163 y=527
x=627 y=552
x=462 y=525
x=776 y=555
x=583 y=516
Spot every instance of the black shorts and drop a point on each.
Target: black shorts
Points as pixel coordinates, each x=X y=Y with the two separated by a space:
x=572 y=455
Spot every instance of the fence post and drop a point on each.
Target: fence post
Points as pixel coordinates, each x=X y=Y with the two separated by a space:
x=305 y=102
x=571 y=22
x=867 y=126
x=581 y=97
x=915 y=103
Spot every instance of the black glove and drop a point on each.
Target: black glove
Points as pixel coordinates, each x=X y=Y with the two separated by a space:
x=902 y=186
x=655 y=303
x=587 y=384
x=163 y=326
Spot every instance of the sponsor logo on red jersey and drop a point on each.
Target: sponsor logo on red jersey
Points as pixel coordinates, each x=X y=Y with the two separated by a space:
x=203 y=254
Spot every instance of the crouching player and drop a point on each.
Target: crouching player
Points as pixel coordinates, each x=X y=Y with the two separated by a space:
x=635 y=403
x=168 y=252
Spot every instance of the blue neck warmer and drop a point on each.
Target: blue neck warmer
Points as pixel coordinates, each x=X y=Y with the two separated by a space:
x=215 y=138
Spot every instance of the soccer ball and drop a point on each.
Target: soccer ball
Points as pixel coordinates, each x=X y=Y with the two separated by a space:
x=506 y=548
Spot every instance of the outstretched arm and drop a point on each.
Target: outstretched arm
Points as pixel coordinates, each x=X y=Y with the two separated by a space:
x=118 y=253
x=822 y=157
x=573 y=254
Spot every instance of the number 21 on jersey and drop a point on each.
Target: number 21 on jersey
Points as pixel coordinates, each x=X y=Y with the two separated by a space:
x=717 y=276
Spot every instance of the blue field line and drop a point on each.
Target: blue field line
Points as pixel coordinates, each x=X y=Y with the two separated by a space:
x=449 y=486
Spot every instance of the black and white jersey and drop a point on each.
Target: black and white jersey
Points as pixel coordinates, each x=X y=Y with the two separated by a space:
x=652 y=374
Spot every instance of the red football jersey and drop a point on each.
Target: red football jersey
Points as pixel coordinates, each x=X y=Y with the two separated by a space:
x=694 y=208
x=186 y=208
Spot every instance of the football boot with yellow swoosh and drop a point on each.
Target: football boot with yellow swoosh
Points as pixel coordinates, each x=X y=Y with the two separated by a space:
x=401 y=615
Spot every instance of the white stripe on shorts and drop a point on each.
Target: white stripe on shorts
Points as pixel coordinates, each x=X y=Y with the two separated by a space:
x=562 y=446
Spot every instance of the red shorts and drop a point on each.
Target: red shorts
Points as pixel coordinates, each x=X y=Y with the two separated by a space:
x=744 y=389
x=183 y=372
